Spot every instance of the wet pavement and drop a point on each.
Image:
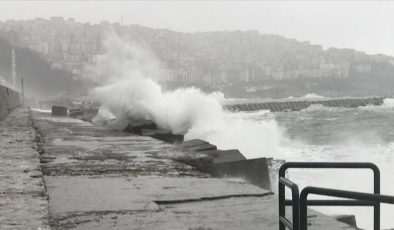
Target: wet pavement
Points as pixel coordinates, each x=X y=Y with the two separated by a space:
x=23 y=199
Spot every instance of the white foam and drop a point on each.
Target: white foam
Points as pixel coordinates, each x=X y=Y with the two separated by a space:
x=42 y=110
x=388 y=102
x=309 y=96
x=128 y=90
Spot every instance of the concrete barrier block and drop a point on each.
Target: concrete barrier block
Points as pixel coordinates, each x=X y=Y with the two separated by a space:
x=136 y=126
x=305 y=104
x=169 y=137
x=287 y=106
x=336 y=103
x=193 y=142
x=59 y=111
x=197 y=145
x=75 y=112
x=201 y=148
x=273 y=107
x=347 y=219
x=263 y=107
x=279 y=106
x=255 y=171
x=163 y=135
x=255 y=107
x=221 y=156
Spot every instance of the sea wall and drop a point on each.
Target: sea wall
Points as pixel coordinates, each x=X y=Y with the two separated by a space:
x=279 y=106
x=9 y=100
x=206 y=157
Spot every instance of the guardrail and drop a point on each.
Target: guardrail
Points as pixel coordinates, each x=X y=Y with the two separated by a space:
x=298 y=217
x=357 y=196
x=283 y=221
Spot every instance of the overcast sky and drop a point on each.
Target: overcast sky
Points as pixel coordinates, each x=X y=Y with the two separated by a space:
x=366 y=26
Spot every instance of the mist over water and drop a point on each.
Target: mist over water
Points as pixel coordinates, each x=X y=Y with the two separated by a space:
x=127 y=75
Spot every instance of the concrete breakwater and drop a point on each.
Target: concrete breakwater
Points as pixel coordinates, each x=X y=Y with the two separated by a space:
x=206 y=157
x=102 y=179
x=280 y=106
x=9 y=100
x=201 y=154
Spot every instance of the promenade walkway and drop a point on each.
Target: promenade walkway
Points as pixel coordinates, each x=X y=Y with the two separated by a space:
x=23 y=198
x=100 y=179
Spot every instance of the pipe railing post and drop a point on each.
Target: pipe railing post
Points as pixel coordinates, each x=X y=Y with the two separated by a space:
x=300 y=203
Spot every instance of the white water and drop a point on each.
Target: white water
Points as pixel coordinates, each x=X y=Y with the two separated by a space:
x=127 y=76
x=41 y=110
x=128 y=89
x=309 y=96
x=356 y=180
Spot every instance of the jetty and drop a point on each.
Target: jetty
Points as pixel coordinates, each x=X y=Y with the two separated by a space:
x=60 y=172
x=297 y=105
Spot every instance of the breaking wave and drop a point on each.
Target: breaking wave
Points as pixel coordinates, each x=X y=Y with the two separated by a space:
x=309 y=96
x=316 y=107
x=127 y=89
x=388 y=102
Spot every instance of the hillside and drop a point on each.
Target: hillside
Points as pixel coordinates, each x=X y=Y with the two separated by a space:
x=39 y=78
x=240 y=63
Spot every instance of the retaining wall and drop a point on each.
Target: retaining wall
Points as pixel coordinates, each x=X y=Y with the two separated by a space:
x=9 y=100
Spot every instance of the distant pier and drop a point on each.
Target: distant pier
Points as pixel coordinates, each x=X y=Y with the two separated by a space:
x=283 y=106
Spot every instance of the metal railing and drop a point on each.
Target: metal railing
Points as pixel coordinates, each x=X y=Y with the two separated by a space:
x=283 y=221
x=372 y=199
x=296 y=202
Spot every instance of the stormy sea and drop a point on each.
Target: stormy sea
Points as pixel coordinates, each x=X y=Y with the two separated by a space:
x=319 y=133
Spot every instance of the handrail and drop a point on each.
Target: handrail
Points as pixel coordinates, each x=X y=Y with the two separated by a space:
x=283 y=221
x=360 y=196
x=332 y=165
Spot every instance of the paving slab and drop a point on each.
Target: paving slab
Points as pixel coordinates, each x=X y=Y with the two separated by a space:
x=103 y=179
x=82 y=193
x=23 y=199
x=246 y=213
x=73 y=147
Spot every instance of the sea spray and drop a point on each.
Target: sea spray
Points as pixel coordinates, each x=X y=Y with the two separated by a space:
x=127 y=88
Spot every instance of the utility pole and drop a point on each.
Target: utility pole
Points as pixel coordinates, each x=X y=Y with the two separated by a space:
x=13 y=69
x=23 y=92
